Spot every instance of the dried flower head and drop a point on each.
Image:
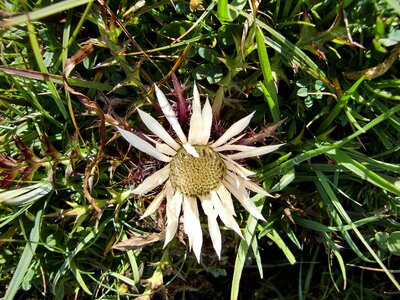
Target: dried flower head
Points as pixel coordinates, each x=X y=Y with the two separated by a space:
x=198 y=171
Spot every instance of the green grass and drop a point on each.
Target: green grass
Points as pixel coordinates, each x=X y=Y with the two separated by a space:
x=322 y=78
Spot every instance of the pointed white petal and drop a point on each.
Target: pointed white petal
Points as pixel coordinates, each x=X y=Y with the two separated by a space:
x=213 y=227
x=188 y=215
x=152 y=181
x=169 y=190
x=142 y=145
x=243 y=197
x=170 y=115
x=232 y=141
x=256 y=188
x=233 y=179
x=255 y=152
x=156 y=128
x=196 y=120
x=191 y=225
x=191 y=150
x=154 y=204
x=225 y=215
x=215 y=235
x=173 y=211
x=226 y=199
x=234 y=130
x=228 y=147
x=196 y=99
x=195 y=130
x=235 y=167
x=165 y=148
x=207 y=206
x=239 y=182
x=207 y=122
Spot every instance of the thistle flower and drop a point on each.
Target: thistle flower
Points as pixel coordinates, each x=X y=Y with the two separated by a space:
x=198 y=171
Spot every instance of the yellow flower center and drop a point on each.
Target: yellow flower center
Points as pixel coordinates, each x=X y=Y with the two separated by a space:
x=196 y=176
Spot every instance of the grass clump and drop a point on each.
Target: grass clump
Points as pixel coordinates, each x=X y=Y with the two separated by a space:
x=322 y=78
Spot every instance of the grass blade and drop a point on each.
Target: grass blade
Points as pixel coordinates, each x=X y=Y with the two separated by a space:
x=275 y=237
x=91 y=237
x=314 y=225
x=361 y=171
x=79 y=278
x=309 y=275
x=336 y=252
x=340 y=105
x=328 y=196
x=43 y=12
x=254 y=247
x=26 y=258
x=284 y=167
x=25 y=195
x=39 y=60
x=249 y=234
x=324 y=182
x=288 y=50
x=56 y=78
x=268 y=87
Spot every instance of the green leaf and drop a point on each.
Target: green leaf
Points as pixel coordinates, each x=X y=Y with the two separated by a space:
x=172 y=31
x=228 y=13
x=395 y=5
x=304 y=82
x=381 y=239
x=228 y=32
x=393 y=243
x=392 y=39
x=26 y=283
x=302 y=92
x=309 y=101
x=223 y=10
x=209 y=55
x=213 y=73
x=319 y=86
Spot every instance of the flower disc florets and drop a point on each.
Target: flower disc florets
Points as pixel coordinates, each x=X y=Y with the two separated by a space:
x=196 y=176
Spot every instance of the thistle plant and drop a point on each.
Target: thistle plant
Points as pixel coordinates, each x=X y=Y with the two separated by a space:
x=198 y=170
